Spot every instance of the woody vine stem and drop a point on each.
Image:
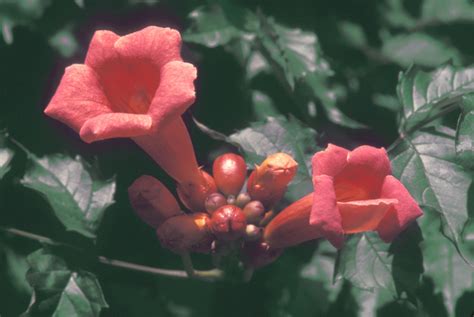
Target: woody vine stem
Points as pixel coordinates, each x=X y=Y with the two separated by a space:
x=189 y=272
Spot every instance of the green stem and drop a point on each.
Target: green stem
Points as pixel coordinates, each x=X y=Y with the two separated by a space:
x=210 y=275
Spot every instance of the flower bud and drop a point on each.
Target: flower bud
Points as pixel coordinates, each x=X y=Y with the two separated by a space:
x=291 y=226
x=193 y=195
x=152 y=201
x=214 y=201
x=228 y=223
x=185 y=233
x=242 y=200
x=257 y=254
x=254 y=212
x=229 y=171
x=268 y=181
x=252 y=233
x=266 y=218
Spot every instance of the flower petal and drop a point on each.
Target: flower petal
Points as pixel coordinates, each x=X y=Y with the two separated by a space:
x=325 y=216
x=101 y=49
x=115 y=125
x=362 y=177
x=155 y=44
x=363 y=215
x=399 y=217
x=175 y=92
x=331 y=161
x=78 y=98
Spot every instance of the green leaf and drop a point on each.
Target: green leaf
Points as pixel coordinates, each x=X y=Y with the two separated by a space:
x=77 y=197
x=465 y=133
x=61 y=291
x=297 y=57
x=425 y=163
x=447 y=11
x=428 y=95
x=263 y=106
x=369 y=263
x=6 y=155
x=420 y=49
x=450 y=273
x=19 y=12
x=395 y=14
x=64 y=42
x=14 y=266
x=210 y=27
x=353 y=34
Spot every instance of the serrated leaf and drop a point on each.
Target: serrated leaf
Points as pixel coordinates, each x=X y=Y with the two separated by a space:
x=420 y=49
x=369 y=263
x=6 y=155
x=77 y=197
x=450 y=273
x=425 y=164
x=61 y=291
x=426 y=95
x=465 y=133
x=210 y=27
x=296 y=56
x=447 y=11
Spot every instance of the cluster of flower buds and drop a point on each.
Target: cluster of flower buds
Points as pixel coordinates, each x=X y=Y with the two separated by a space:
x=222 y=211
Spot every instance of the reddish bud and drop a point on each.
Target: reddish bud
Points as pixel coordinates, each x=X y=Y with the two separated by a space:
x=257 y=254
x=228 y=223
x=268 y=181
x=242 y=200
x=254 y=212
x=252 y=233
x=152 y=201
x=267 y=218
x=186 y=233
x=215 y=201
x=193 y=195
x=291 y=226
x=229 y=171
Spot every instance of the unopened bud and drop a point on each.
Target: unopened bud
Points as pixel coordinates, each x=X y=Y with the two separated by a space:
x=215 y=201
x=185 y=233
x=193 y=195
x=268 y=181
x=253 y=233
x=228 y=223
x=257 y=254
x=229 y=171
x=254 y=212
x=152 y=201
x=291 y=226
x=231 y=200
x=242 y=200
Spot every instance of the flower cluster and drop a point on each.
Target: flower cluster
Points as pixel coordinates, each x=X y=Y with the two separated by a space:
x=137 y=86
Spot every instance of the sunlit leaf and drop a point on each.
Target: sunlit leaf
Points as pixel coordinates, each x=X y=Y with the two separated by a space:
x=6 y=156
x=210 y=27
x=60 y=290
x=420 y=49
x=450 y=273
x=447 y=11
x=369 y=263
x=64 y=42
x=19 y=12
x=77 y=197
x=427 y=95
x=426 y=165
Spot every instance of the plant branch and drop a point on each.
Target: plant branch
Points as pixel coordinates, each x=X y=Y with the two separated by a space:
x=210 y=275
